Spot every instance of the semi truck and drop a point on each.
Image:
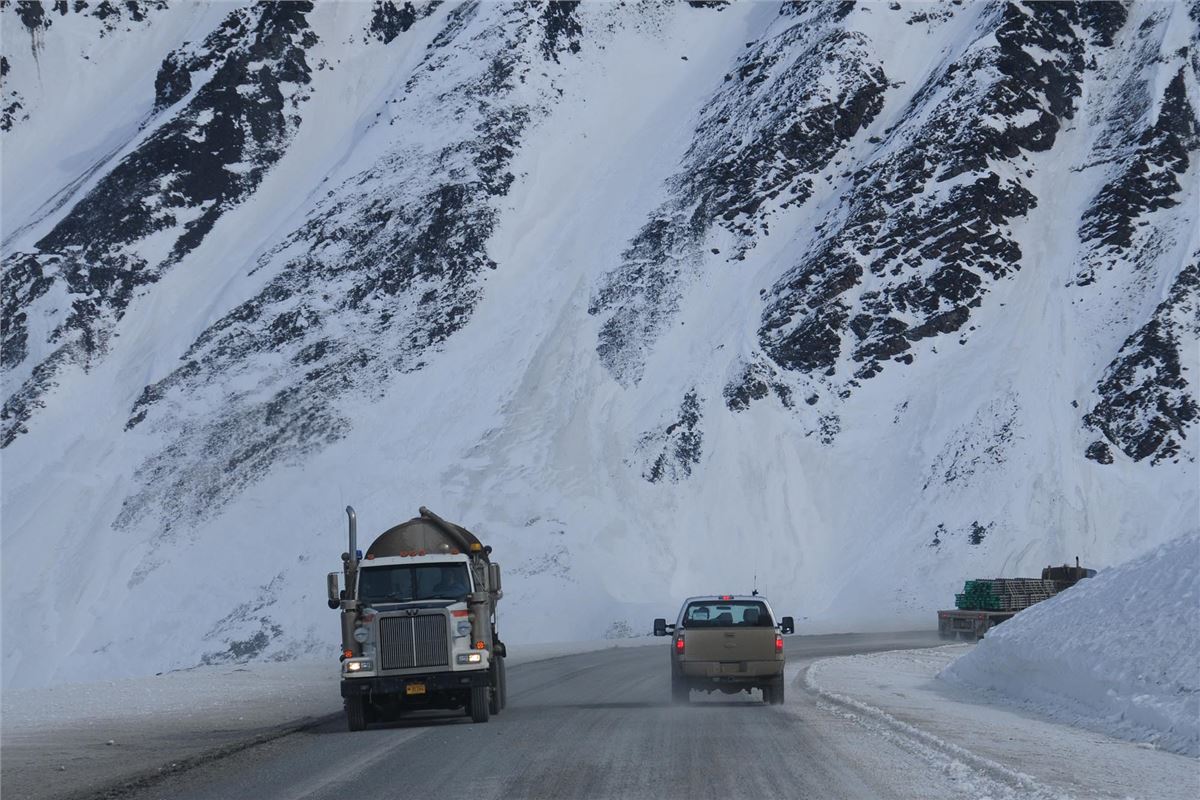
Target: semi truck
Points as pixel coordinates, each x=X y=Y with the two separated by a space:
x=984 y=603
x=418 y=622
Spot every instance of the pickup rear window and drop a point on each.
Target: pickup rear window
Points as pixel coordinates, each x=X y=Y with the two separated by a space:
x=727 y=614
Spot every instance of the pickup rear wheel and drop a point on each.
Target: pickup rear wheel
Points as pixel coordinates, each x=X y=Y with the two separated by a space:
x=356 y=713
x=479 y=704
x=679 y=690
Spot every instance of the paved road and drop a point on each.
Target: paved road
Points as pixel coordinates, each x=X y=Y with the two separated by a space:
x=595 y=725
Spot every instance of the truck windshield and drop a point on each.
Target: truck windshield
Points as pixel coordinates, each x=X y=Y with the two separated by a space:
x=727 y=614
x=401 y=584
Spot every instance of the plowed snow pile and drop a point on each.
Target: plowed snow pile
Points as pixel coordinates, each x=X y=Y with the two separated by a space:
x=1118 y=653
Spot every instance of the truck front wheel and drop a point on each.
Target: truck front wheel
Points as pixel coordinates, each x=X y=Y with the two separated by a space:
x=356 y=713
x=479 y=704
x=494 y=698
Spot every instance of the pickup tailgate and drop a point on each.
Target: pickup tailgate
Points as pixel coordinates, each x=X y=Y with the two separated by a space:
x=729 y=644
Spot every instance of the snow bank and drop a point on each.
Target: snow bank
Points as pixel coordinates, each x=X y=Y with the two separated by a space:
x=992 y=749
x=1118 y=653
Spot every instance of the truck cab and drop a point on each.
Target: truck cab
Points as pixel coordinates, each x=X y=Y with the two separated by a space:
x=419 y=623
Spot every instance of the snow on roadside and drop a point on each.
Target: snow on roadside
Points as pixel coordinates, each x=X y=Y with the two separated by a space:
x=1118 y=653
x=990 y=750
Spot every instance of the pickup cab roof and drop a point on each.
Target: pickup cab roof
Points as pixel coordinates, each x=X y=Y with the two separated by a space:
x=724 y=598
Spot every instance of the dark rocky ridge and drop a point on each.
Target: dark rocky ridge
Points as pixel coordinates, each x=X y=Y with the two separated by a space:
x=755 y=381
x=11 y=101
x=38 y=15
x=182 y=178
x=1146 y=402
x=671 y=452
x=383 y=271
x=925 y=227
x=788 y=124
x=562 y=29
x=1149 y=181
x=390 y=19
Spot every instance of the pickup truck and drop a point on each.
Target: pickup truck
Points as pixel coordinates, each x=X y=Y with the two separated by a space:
x=726 y=643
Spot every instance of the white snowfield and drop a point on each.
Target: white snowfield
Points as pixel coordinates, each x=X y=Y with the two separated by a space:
x=1119 y=653
x=992 y=751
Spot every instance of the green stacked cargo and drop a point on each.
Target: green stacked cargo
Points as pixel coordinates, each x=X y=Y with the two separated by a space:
x=987 y=602
x=1003 y=594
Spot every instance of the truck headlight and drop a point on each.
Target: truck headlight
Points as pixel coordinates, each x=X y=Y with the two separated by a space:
x=462 y=629
x=361 y=634
x=360 y=665
x=468 y=658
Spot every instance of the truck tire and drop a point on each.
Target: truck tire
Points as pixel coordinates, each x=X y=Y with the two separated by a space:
x=356 y=713
x=479 y=704
x=503 y=685
x=494 y=693
x=679 y=690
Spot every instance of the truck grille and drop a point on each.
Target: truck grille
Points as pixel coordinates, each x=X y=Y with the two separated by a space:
x=410 y=642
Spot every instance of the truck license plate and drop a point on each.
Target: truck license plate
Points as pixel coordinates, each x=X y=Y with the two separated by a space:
x=414 y=688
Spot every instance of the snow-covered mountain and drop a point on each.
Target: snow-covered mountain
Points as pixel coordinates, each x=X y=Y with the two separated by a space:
x=852 y=299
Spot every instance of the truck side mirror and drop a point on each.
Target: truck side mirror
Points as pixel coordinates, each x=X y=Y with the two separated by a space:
x=787 y=625
x=331 y=585
x=660 y=627
x=494 y=577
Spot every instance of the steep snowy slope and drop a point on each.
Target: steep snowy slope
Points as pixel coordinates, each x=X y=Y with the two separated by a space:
x=854 y=298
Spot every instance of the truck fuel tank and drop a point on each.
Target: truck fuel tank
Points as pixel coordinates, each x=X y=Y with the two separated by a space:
x=427 y=534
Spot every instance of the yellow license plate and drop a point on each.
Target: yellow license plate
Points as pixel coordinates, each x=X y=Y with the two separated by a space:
x=414 y=688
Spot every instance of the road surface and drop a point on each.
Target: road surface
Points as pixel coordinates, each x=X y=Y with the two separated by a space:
x=594 y=725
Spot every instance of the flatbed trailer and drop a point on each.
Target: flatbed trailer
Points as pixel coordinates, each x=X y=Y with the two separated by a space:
x=967 y=623
x=986 y=602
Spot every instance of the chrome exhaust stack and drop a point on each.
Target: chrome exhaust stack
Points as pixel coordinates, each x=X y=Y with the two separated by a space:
x=350 y=594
